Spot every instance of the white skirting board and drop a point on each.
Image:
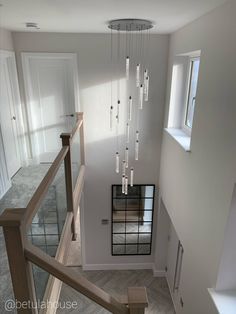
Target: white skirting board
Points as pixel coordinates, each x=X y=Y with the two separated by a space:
x=158 y=272
x=126 y=266
x=120 y=266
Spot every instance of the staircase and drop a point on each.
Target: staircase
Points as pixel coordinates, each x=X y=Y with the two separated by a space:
x=38 y=237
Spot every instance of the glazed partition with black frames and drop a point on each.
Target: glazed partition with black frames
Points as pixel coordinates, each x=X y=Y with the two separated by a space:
x=132 y=219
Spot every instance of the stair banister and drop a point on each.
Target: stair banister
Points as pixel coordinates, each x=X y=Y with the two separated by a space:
x=21 y=253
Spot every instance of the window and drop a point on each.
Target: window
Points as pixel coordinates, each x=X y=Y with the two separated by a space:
x=192 y=90
x=132 y=217
x=183 y=97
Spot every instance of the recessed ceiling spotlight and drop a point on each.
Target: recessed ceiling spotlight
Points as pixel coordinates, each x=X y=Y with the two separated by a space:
x=32 y=25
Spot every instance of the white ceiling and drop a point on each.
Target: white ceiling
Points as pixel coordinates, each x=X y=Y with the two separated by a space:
x=89 y=16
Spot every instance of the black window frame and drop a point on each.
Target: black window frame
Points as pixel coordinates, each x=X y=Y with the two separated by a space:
x=126 y=197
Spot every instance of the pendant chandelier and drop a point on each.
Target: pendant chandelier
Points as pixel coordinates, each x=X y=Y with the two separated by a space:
x=129 y=57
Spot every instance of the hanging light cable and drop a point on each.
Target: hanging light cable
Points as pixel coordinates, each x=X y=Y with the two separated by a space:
x=118 y=105
x=111 y=105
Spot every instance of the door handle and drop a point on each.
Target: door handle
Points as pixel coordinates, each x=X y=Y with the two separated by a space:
x=13 y=118
x=67 y=115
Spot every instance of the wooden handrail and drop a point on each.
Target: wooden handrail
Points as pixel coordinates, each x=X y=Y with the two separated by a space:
x=42 y=189
x=74 y=280
x=80 y=117
x=78 y=187
x=77 y=127
x=53 y=287
x=73 y=195
x=79 y=122
x=16 y=221
x=12 y=217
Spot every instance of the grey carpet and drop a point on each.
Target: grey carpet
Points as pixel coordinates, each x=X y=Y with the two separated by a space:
x=23 y=187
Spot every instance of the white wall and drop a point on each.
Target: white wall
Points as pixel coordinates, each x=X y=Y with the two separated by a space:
x=227 y=271
x=163 y=230
x=197 y=187
x=94 y=78
x=6 y=42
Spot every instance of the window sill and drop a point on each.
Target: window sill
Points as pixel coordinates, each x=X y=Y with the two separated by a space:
x=181 y=137
x=225 y=301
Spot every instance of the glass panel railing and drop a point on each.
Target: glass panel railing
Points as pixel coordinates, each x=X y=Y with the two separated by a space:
x=72 y=301
x=43 y=282
x=47 y=225
x=75 y=157
x=40 y=282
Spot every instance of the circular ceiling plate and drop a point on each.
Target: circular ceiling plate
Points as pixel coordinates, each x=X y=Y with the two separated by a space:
x=131 y=25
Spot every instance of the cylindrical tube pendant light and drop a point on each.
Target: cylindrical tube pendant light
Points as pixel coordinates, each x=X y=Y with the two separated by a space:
x=126 y=157
x=111 y=117
x=127 y=133
x=123 y=184
x=117 y=162
x=130 y=108
x=138 y=75
x=136 y=149
x=123 y=167
x=132 y=176
x=118 y=111
x=146 y=88
x=141 y=97
x=145 y=74
x=127 y=68
x=126 y=185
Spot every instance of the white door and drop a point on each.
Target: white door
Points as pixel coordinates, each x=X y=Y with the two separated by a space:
x=8 y=120
x=52 y=98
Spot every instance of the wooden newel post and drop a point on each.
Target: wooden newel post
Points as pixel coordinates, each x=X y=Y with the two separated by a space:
x=21 y=270
x=137 y=300
x=66 y=141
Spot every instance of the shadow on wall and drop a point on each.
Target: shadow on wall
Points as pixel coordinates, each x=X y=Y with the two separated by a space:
x=97 y=114
x=100 y=175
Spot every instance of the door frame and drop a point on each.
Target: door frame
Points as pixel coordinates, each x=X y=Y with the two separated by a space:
x=5 y=182
x=26 y=57
x=9 y=57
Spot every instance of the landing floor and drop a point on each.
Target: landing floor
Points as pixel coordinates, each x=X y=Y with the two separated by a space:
x=24 y=184
x=116 y=283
